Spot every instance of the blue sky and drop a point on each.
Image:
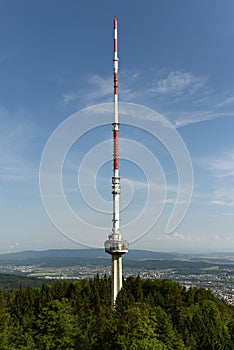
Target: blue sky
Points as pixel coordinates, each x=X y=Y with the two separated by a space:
x=176 y=58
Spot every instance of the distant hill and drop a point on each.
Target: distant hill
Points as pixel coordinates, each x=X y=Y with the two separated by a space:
x=133 y=254
x=98 y=257
x=85 y=254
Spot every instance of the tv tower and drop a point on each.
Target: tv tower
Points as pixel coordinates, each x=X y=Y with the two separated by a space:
x=115 y=245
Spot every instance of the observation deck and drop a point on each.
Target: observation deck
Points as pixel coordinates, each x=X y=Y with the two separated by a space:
x=113 y=246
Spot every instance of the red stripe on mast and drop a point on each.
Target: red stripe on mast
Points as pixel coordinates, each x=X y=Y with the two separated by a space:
x=115 y=23
x=116 y=84
x=116 y=149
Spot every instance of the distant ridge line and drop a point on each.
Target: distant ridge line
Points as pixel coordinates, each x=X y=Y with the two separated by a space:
x=137 y=254
x=84 y=253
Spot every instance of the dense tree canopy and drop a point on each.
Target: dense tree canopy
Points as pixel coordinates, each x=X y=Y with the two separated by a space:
x=149 y=314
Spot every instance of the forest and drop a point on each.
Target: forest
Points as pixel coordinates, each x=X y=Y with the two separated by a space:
x=149 y=314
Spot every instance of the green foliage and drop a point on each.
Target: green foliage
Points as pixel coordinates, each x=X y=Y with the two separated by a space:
x=4 y=324
x=136 y=329
x=149 y=314
x=8 y=281
x=55 y=326
x=203 y=327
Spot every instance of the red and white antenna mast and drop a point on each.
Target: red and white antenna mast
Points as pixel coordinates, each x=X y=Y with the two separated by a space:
x=115 y=245
x=116 y=178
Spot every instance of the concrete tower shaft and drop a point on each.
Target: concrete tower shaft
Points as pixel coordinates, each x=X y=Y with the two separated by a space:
x=115 y=245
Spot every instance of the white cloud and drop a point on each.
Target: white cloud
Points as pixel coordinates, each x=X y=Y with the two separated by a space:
x=222 y=166
x=227 y=101
x=223 y=195
x=222 y=202
x=95 y=88
x=198 y=117
x=101 y=87
x=13 y=247
x=221 y=170
x=16 y=137
x=176 y=87
x=69 y=97
x=177 y=236
x=177 y=82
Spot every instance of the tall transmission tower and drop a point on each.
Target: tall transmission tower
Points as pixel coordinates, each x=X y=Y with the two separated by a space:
x=115 y=245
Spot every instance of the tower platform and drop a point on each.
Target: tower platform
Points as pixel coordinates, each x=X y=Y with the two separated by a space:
x=113 y=246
